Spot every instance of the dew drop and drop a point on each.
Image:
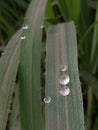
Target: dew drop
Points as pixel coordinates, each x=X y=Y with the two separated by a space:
x=23 y=37
x=42 y=26
x=64 y=80
x=63 y=68
x=47 y=99
x=2 y=53
x=25 y=27
x=64 y=91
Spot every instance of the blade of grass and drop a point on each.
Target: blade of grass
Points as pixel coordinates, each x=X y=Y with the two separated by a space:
x=29 y=70
x=94 y=66
x=94 y=51
x=5 y=26
x=70 y=9
x=15 y=117
x=91 y=81
x=81 y=42
x=85 y=43
x=9 y=9
x=49 y=13
x=63 y=113
x=8 y=70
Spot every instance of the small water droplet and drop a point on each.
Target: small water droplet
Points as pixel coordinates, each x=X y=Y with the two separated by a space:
x=25 y=27
x=64 y=91
x=23 y=37
x=42 y=26
x=47 y=99
x=2 y=53
x=63 y=68
x=64 y=80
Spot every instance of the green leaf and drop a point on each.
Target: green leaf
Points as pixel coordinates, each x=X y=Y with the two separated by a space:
x=5 y=26
x=70 y=9
x=63 y=113
x=49 y=13
x=29 y=70
x=8 y=10
x=90 y=80
x=8 y=70
x=94 y=51
x=14 y=121
x=84 y=26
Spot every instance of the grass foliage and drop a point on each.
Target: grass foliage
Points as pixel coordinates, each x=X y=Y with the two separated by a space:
x=22 y=75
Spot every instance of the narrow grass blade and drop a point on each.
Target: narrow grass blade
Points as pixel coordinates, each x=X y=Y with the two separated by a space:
x=92 y=4
x=91 y=81
x=94 y=51
x=8 y=10
x=63 y=113
x=5 y=26
x=14 y=121
x=29 y=70
x=85 y=24
x=49 y=13
x=70 y=9
x=8 y=70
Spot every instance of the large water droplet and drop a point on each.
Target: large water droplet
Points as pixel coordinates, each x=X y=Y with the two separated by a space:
x=25 y=27
x=23 y=37
x=64 y=80
x=63 y=68
x=64 y=91
x=47 y=99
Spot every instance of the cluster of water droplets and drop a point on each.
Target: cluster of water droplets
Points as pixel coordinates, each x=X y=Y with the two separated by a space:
x=25 y=27
x=64 y=80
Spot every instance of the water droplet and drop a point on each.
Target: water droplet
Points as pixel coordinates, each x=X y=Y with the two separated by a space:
x=47 y=99
x=64 y=91
x=64 y=80
x=2 y=53
x=23 y=37
x=63 y=68
x=42 y=26
x=25 y=27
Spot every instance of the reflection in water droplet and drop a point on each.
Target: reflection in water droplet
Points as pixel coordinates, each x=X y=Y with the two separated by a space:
x=63 y=68
x=64 y=91
x=42 y=26
x=64 y=80
x=23 y=37
x=25 y=27
x=47 y=99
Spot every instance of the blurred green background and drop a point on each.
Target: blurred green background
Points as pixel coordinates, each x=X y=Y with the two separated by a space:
x=85 y=15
